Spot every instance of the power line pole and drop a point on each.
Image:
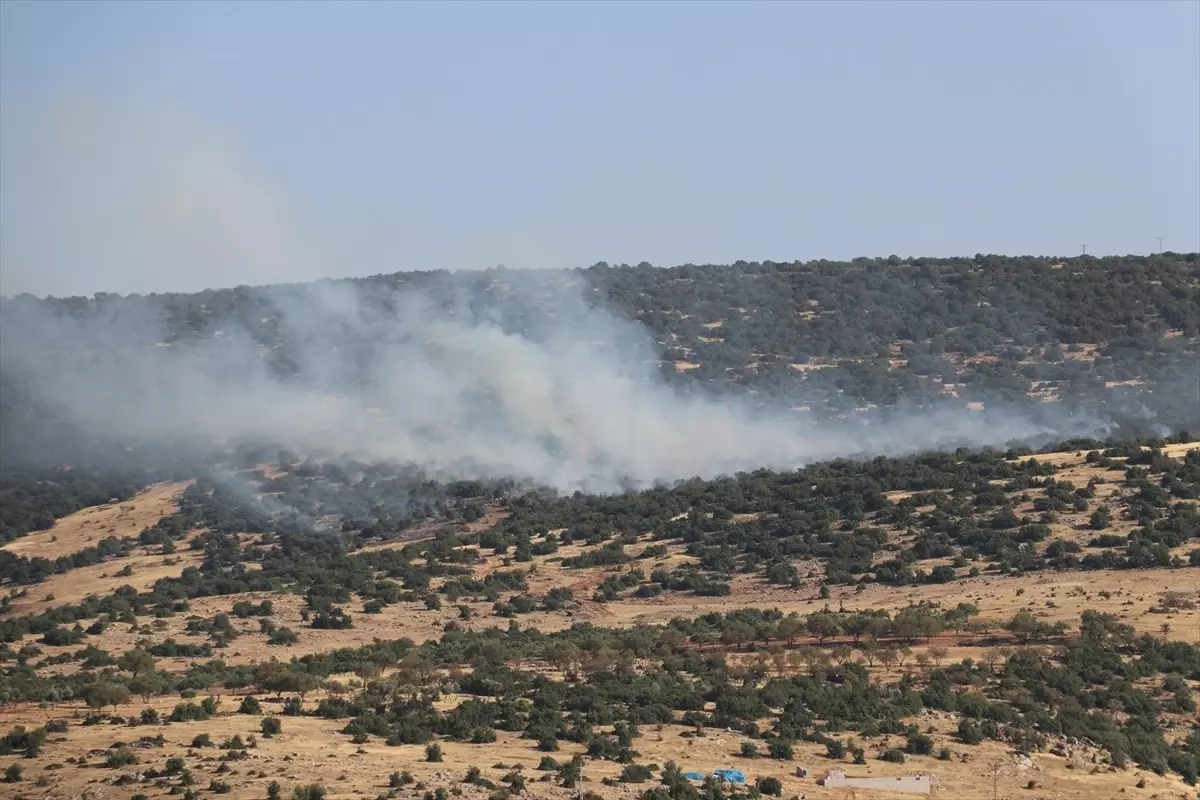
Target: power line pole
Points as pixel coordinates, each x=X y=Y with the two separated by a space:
x=1160 y=240
x=1084 y=246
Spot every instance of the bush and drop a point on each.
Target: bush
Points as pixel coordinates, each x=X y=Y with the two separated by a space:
x=749 y=750
x=271 y=726
x=120 y=757
x=433 y=753
x=635 y=773
x=189 y=712
x=250 y=705
x=283 y=637
x=969 y=732
x=895 y=755
x=13 y=773
x=483 y=735
x=919 y=744
x=313 y=791
x=780 y=749
x=770 y=786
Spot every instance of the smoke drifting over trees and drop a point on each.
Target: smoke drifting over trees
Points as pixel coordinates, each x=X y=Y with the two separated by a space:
x=562 y=378
x=533 y=382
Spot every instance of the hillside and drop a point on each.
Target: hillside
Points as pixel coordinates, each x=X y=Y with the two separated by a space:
x=193 y=615
x=1069 y=343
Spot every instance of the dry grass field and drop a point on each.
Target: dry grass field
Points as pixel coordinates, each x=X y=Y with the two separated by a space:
x=314 y=750
x=87 y=526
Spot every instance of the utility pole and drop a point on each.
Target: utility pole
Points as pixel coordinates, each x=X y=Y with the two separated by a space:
x=1084 y=246
x=1160 y=240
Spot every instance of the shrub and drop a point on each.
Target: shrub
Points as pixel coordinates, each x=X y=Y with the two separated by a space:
x=483 y=735
x=969 y=732
x=895 y=755
x=635 y=773
x=271 y=726
x=189 y=712
x=780 y=749
x=919 y=744
x=283 y=637
x=770 y=786
x=749 y=750
x=433 y=753
x=313 y=791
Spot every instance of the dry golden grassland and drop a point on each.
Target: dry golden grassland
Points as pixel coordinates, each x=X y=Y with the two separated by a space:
x=313 y=750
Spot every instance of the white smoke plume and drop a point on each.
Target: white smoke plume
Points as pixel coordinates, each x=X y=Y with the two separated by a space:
x=575 y=403
x=571 y=399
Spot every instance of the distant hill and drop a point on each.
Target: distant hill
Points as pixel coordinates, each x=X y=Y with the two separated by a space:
x=1118 y=335
x=428 y=535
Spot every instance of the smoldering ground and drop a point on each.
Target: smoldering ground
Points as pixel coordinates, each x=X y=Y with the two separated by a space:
x=524 y=379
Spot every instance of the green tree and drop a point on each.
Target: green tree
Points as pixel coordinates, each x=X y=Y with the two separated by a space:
x=102 y=694
x=136 y=661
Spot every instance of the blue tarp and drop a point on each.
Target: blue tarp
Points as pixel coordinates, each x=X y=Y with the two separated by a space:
x=694 y=776
x=730 y=775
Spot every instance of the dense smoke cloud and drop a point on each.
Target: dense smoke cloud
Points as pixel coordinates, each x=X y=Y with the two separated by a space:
x=568 y=396
x=573 y=401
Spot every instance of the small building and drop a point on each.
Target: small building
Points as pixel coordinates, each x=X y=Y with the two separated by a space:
x=914 y=784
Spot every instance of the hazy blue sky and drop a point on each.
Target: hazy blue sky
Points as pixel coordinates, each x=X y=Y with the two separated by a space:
x=171 y=146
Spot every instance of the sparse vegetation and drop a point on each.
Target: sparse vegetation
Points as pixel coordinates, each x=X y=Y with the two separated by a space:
x=612 y=630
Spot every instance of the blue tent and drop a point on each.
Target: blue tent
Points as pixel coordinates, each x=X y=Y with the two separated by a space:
x=730 y=775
